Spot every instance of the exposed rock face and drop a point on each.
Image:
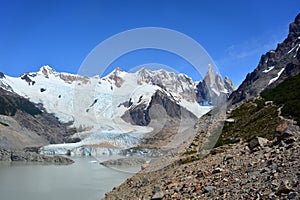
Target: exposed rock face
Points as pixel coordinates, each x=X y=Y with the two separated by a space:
x=169 y=81
x=160 y=106
x=26 y=77
x=2 y=75
x=3 y=85
x=274 y=66
x=23 y=124
x=228 y=84
x=114 y=76
x=130 y=161
x=21 y=156
x=47 y=72
x=213 y=90
x=11 y=103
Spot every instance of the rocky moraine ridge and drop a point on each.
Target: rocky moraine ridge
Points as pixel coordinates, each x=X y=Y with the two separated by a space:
x=257 y=155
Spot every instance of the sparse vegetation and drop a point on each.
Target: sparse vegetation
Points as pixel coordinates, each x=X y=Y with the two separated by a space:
x=286 y=94
x=251 y=119
x=258 y=118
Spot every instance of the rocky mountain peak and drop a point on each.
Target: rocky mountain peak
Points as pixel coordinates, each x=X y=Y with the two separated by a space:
x=274 y=66
x=2 y=75
x=213 y=89
x=118 y=70
x=294 y=29
x=179 y=84
x=152 y=76
x=229 y=84
x=210 y=77
x=46 y=70
x=115 y=76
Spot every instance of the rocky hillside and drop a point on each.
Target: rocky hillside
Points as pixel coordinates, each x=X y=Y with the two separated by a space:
x=257 y=155
x=270 y=171
x=160 y=102
x=274 y=67
x=24 y=124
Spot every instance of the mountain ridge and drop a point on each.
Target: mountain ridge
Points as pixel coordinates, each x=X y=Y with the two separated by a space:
x=274 y=66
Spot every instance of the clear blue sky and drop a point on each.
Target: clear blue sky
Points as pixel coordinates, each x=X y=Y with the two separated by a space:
x=61 y=33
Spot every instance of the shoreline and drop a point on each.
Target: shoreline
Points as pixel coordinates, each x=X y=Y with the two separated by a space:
x=10 y=155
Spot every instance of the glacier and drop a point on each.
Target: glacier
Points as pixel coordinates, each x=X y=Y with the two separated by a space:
x=94 y=105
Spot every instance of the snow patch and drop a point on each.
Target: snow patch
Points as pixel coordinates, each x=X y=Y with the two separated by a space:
x=269 y=69
x=215 y=91
x=278 y=75
x=195 y=108
x=296 y=46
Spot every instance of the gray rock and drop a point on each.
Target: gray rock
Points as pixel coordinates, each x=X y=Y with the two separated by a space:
x=156 y=188
x=158 y=195
x=209 y=188
x=292 y=195
x=130 y=161
x=5 y=155
x=284 y=188
x=22 y=156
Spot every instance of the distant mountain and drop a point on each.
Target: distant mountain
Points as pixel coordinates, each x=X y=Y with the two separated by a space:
x=213 y=90
x=100 y=109
x=274 y=67
x=58 y=91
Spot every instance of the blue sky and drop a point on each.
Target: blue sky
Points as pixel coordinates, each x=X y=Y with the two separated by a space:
x=61 y=33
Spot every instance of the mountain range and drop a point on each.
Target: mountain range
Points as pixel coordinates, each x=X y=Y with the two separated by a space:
x=117 y=111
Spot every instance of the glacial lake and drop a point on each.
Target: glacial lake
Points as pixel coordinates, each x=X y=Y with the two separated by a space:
x=83 y=180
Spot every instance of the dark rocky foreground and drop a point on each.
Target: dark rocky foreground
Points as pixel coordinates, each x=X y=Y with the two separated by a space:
x=22 y=156
x=267 y=170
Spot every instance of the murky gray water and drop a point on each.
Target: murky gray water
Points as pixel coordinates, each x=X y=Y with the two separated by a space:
x=83 y=180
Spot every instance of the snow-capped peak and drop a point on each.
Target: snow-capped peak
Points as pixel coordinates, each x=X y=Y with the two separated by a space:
x=46 y=70
x=117 y=71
